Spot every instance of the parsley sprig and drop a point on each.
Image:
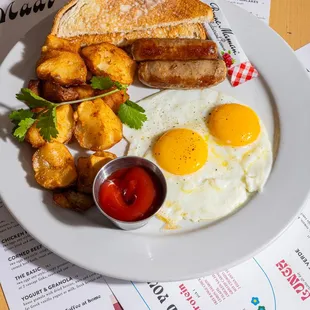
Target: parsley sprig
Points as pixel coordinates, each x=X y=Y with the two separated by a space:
x=43 y=112
x=132 y=114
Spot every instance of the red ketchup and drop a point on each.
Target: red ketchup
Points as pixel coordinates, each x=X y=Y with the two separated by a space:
x=129 y=194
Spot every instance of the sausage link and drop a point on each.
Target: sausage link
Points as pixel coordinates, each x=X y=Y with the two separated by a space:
x=173 y=49
x=182 y=74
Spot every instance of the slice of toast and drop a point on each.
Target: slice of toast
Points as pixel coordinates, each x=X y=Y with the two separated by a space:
x=99 y=17
x=185 y=31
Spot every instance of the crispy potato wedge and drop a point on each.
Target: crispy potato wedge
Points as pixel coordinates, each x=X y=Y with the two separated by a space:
x=97 y=127
x=55 y=43
x=106 y=59
x=114 y=100
x=84 y=91
x=35 y=86
x=88 y=167
x=65 y=123
x=57 y=93
x=76 y=201
x=62 y=67
x=65 y=127
x=54 y=166
x=34 y=137
x=89 y=76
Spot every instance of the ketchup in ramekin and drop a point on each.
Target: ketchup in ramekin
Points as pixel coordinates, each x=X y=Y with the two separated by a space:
x=130 y=194
x=129 y=191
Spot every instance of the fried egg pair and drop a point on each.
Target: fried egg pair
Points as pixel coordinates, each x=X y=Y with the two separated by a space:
x=213 y=151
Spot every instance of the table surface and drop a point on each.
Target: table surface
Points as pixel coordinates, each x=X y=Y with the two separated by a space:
x=290 y=19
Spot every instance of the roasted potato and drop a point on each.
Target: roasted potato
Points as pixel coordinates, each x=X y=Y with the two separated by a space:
x=105 y=59
x=34 y=137
x=89 y=76
x=62 y=67
x=114 y=100
x=88 y=167
x=84 y=91
x=35 y=86
x=54 y=166
x=57 y=93
x=55 y=43
x=65 y=127
x=71 y=199
x=97 y=127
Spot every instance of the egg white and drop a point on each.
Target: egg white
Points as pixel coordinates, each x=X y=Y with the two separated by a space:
x=228 y=177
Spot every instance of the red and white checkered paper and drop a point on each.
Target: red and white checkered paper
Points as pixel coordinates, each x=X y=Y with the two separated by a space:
x=241 y=73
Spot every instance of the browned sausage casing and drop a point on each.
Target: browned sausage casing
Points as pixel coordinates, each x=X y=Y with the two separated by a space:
x=182 y=74
x=173 y=49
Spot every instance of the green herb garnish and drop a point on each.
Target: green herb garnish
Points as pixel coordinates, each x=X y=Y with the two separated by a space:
x=102 y=83
x=132 y=115
x=129 y=113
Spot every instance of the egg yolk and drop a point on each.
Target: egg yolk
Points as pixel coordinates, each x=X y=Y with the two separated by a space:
x=181 y=151
x=234 y=124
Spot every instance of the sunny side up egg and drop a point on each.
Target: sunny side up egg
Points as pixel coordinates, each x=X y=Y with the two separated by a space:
x=213 y=151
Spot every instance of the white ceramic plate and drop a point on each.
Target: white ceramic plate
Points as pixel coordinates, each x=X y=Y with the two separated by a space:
x=280 y=96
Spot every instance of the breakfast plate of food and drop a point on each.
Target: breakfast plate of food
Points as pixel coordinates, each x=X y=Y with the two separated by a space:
x=154 y=139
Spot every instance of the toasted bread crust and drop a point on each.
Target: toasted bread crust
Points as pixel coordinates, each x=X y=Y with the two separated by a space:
x=191 y=31
x=59 y=15
x=89 y=17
